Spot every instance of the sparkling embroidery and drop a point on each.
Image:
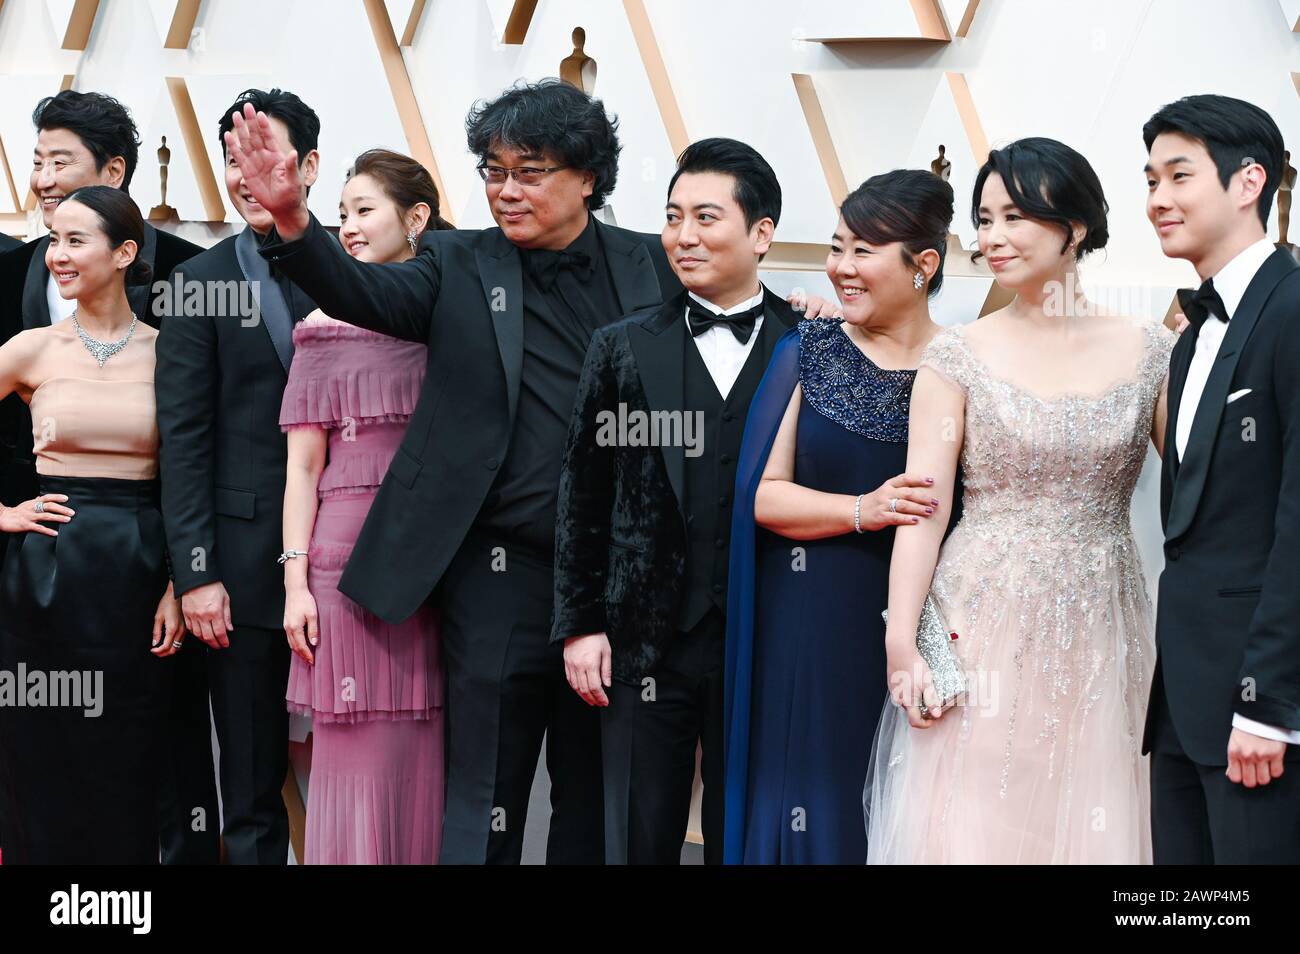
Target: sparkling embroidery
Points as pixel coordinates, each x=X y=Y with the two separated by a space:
x=847 y=387
x=1044 y=556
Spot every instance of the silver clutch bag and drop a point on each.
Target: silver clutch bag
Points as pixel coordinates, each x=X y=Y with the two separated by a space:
x=934 y=643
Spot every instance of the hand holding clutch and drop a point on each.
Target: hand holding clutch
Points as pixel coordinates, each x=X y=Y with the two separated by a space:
x=932 y=679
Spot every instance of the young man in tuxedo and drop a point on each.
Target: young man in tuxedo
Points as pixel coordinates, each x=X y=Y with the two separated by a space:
x=644 y=519
x=1223 y=724
x=467 y=509
x=220 y=379
x=86 y=139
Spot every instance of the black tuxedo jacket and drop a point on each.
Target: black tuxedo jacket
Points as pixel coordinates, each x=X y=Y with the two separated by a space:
x=23 y=283
x=1228 y=620
x=219 y=384
x=8 y=242
x=462 y=296
x=620 y=534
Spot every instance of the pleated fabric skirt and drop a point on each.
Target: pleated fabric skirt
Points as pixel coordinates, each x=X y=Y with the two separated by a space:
x=82 y=699
x=375 y=695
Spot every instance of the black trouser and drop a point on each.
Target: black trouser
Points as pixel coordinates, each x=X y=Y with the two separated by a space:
x=247 y=682
x=505 y=691
x=188 y=823
x=1200 y=817
x=649 y=735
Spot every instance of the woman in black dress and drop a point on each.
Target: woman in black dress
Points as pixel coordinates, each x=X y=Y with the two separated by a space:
x=86 y=608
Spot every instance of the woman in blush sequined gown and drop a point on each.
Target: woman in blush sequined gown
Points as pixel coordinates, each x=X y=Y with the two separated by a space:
x=1048 y=406
x=374 y=690
x=827 y=435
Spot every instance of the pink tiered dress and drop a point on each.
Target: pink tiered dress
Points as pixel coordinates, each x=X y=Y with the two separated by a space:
x=375 y=691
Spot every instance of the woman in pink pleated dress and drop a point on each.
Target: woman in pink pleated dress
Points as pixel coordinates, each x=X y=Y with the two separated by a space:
x=374 y=691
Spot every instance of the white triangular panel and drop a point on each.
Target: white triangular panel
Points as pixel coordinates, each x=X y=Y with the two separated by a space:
x=399 y=11
x=161 y=12
x=1291 y=10
x=499 y=15
x=60 y=12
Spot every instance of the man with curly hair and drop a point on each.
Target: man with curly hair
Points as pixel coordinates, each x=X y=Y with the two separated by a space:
x=466 y=513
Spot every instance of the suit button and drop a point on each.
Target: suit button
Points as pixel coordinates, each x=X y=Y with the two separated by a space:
x=724 y=458
x=1174 y=552
x=719 y=543
x=722 y=501
x=717 y=587
x=728 y=416
x=490 y=463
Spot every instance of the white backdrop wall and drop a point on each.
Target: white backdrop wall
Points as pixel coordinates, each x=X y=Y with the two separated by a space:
x=1088 y=73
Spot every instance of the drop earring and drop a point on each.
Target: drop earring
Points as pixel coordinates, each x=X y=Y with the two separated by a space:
x=918 y=280
x=412 y=241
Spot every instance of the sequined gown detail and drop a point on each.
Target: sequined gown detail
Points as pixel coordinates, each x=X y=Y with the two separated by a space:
x=1041 y=579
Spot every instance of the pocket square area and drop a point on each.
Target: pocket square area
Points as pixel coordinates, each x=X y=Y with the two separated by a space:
x=1236 y=394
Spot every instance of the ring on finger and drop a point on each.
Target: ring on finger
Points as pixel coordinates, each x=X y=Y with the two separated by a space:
x=893 y=505
x=39 y=507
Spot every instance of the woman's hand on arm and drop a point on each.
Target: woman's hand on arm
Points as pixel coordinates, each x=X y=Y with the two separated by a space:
x=801 y=513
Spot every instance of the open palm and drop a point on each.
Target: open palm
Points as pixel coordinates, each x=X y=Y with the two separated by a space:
x=271 y=176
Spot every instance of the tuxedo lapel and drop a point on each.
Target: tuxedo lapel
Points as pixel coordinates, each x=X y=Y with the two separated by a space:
x=657 y=349
x=1195 y=466
x=271 y=304
x=36 y=309
x=631 y=270
x=500 y=271
x=1179 y=361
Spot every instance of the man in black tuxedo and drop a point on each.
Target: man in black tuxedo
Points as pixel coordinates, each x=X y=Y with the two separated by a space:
x=644 y=519
x=467 y=508
x=86 y=139
x=222 y=366
x=1223 y=725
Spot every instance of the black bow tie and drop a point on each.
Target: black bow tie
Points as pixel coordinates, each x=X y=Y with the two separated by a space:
x=741 y=324
x=1201 y=303
x=544 y=265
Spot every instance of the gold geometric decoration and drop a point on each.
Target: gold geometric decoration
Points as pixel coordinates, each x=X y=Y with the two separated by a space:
x=399 y=82
x=204 y=177
x=660 y=85
x=412 y=22
x=521 y=15
x=182 y=24
x=80 y=23
x=821 y=136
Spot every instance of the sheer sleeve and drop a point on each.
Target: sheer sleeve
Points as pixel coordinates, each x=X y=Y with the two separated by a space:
x=947 y=354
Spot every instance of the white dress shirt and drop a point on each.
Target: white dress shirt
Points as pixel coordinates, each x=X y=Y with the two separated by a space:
x=723 y=355
x=1231 y=283
x=59 y=306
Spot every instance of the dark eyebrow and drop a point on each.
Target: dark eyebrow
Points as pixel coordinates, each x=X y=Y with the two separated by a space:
x=525 y=157
x=1168 y=162
x=54 y=152
x=1010 y=206
x=707 y=205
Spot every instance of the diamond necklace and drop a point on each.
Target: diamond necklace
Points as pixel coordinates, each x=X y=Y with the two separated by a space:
x=101 y=351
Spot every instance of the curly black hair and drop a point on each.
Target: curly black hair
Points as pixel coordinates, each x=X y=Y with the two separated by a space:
x=554 y=118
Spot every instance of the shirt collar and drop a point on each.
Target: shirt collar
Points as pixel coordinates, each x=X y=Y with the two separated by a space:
x=1234 y=278
x=735 y=309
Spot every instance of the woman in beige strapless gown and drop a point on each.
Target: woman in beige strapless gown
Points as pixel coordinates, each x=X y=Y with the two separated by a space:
x=86 y=608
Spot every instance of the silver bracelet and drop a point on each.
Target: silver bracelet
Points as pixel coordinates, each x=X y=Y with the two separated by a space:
x=291 y=555
x=857 y=513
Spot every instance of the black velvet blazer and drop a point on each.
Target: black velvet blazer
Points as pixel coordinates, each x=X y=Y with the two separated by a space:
x=620 y=532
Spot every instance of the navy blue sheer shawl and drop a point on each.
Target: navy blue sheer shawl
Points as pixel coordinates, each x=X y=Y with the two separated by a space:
x=765 y=414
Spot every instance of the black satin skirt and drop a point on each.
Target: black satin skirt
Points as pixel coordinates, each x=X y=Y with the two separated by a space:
x=81 y=727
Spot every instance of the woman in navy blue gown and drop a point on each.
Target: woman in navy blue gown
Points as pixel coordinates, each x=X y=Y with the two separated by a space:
x=820 y=487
